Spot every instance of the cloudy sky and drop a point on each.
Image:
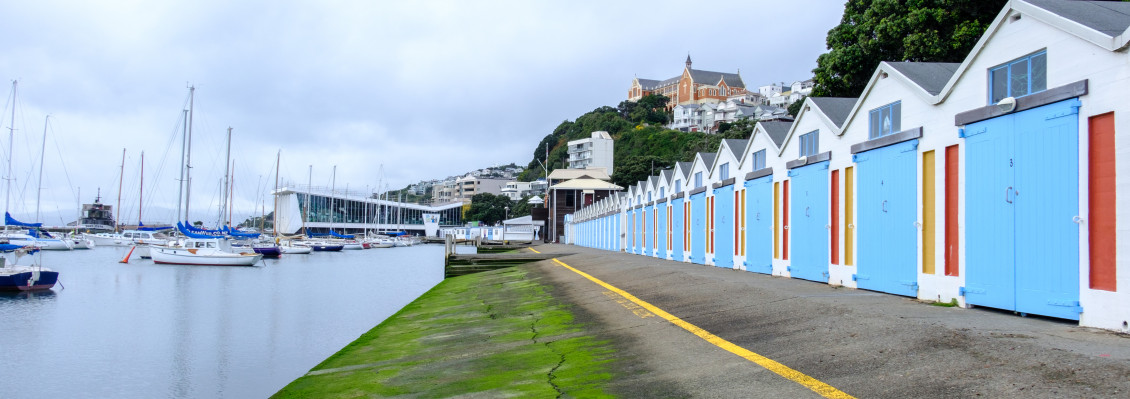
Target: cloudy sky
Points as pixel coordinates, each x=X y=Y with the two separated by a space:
x=427 y=89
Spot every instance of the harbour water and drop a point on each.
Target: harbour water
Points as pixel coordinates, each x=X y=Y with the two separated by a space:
x=140 y=330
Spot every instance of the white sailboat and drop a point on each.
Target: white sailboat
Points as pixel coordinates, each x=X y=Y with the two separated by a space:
x=197 y=249
x=13 y=276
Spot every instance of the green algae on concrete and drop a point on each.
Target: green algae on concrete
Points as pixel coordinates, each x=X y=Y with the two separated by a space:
x=494 y=334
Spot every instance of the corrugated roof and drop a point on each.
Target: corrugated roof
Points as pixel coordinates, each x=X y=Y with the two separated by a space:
x=777 y=131
x=930 y=76
x=736 y=147
x=836 y=108
x=1107 y=17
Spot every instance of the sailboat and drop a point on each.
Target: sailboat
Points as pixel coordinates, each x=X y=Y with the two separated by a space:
x=15 y=277
x=200 y=247
x=288 y=247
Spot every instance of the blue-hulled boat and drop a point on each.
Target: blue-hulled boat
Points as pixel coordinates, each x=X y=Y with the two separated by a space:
x=15 y=277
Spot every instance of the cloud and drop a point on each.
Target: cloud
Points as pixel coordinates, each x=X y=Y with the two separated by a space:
x=427 y=89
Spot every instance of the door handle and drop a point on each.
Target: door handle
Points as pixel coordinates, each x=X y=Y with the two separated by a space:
x=1006 y=191
x=806 y=211
x=884 y=206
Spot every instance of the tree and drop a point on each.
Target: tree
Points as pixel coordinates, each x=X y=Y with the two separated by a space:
x=794 y=108
x=639 y=168
x=872 y=31
x=651 y=109
x=488 y=208
x=520 y=208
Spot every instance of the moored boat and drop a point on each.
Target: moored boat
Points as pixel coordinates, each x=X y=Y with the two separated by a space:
x=202 y=252
x=14 y=277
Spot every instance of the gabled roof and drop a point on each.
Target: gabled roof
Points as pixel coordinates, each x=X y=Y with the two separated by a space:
x=835 y=108
x=566 y=174
x=930 y=76
x=707 y=160
x=585 y=183
x=736 y=147
x=777 y=131
x=1109 y=18
x=713 y=78
x=648 y=84
x=653 y=181
x=685 y=167
x=665 y=176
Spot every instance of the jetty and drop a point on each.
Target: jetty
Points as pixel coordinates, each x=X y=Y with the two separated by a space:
x=490 y=255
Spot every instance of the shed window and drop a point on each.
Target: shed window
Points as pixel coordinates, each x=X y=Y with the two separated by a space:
x=649 y=196
x=1019 y=77
x=678 y=186
x=662 y=192
x=724 y=171
x=886 y=120
x=759 y=160
x=809 y=143
x=697 y=179
x=569 y=200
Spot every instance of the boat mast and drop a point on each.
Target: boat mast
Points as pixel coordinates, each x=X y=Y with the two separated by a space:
x=227 y=181
x=121 y=175
x=306 y=211
x=275 y=196
x=231 y=195
x=180 y=179
x=141 y=190
x=42 y=150
x=333 y=185
x=78 y=201
x=11 y=141
x=188 y=156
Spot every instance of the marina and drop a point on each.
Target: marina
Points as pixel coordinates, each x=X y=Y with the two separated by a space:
x=144 y=330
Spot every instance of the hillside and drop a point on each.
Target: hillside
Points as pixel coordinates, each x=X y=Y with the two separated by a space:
x=642 y=145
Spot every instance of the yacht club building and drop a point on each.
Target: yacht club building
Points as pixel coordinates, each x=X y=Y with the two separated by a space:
x=354 y=212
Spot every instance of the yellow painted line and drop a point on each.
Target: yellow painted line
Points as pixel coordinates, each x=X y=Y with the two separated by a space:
x=815 y=385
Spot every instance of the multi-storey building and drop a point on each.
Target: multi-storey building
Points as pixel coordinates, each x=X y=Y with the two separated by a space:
x=593 y=152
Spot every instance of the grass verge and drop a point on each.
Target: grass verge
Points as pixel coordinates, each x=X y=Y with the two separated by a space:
x=494 y=334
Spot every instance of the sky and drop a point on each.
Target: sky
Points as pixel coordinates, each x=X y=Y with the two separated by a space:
x=389 y=93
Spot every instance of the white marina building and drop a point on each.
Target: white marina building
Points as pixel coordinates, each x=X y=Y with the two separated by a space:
x=357 y=212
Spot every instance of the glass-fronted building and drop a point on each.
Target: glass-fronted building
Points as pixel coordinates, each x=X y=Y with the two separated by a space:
x=320 y=209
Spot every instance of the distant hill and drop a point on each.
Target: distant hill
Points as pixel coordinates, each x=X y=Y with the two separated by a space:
x=643 y=146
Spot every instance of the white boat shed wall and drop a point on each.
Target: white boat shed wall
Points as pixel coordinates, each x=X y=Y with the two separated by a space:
x=1087 y=65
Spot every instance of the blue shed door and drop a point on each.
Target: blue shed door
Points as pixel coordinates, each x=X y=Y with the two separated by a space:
x=649 y=231
x=698 y=228
x=724 y=227
x=1022 y=195
x=888 y=245
x=661 y=230
x=759 y=225
x=677 y=229
x=808 y=221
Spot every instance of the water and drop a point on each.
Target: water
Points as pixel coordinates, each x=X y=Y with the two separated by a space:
x=141 y=330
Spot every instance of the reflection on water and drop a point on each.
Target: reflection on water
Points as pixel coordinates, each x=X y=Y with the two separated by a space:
x=145 y=330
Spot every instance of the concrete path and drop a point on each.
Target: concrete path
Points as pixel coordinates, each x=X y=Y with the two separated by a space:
x=859 y=343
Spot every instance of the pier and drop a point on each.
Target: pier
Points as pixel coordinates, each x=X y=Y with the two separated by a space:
x=490 y=255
